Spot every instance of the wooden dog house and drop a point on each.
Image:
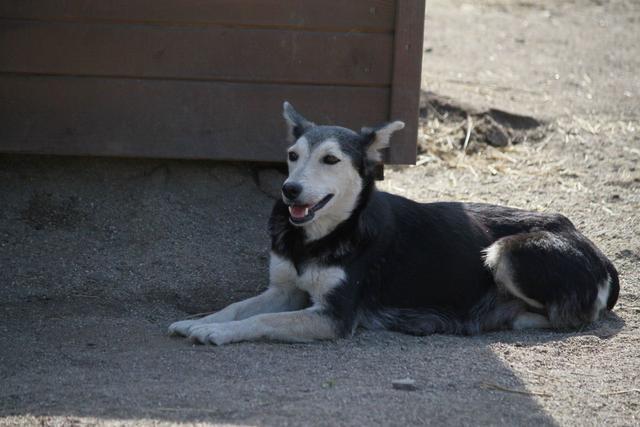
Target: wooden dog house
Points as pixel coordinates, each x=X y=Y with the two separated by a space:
x=203 y=78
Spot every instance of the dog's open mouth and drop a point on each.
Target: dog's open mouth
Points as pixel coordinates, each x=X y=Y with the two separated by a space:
x=299 y=214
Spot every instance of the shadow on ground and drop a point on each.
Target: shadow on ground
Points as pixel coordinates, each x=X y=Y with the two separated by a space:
x=99 y=256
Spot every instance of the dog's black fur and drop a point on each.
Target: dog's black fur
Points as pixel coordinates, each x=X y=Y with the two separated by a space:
x=419 y=268
x=346 y=255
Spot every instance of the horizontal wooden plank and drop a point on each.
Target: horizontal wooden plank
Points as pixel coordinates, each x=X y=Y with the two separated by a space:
x=169 y=119
x=195 y=53
x=352 y=15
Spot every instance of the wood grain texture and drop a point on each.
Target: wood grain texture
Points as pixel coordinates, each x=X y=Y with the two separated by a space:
x=310 y=15
x=203 y=78
x=169 y=119
x=407 y=73
x=206 y=53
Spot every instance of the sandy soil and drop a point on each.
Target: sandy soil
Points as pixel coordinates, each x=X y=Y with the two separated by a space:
x=98 y=256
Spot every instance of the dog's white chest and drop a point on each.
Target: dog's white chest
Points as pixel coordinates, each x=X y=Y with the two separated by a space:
x=314 y=279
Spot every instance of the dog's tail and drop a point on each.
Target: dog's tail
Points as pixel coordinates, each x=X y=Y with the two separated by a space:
x=412 y=321
x=615 y=286
x=487 y=315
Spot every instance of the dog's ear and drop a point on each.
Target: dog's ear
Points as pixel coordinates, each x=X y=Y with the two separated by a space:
x=376 y=139
x=296 y=124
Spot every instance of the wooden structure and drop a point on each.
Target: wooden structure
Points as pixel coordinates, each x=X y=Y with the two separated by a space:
x=203 y=78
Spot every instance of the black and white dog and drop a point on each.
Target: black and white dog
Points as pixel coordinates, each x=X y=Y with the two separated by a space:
x=345 y=255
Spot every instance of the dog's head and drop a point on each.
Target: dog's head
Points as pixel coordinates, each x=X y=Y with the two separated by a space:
x=327 y=168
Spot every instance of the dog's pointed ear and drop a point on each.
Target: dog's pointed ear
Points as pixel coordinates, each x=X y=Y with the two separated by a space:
x=296 y=124
x=376 y=139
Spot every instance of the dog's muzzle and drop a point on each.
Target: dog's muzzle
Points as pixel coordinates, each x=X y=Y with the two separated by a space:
x=300 y=214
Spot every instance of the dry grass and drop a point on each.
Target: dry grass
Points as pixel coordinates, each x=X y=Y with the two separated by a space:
x=442 y=140
x=560 y=161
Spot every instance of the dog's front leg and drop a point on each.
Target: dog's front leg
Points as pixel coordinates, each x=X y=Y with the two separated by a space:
x=295 y=326
x=274 y=299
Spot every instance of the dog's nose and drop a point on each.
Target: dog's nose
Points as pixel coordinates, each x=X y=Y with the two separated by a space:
x=291 y=190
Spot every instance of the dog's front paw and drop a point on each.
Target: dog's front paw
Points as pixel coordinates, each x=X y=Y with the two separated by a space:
x=182 y=327
x=212 y=333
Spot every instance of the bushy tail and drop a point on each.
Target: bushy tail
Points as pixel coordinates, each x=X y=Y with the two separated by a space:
x=489 y=314
x=413 y=321
x=615 y=286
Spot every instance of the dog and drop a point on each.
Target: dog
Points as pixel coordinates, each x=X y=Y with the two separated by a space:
x=345 y=255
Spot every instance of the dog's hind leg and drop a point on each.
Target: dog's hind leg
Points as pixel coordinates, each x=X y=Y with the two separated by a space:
x=504 y=277
x=528 y=320
x=295 y=326
x=275 y=299
x=564 y=280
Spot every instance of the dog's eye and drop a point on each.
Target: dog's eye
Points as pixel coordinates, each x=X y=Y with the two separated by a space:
x=293 y=156
x=330 y=160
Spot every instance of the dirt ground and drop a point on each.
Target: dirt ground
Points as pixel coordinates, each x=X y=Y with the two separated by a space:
x=98 y=256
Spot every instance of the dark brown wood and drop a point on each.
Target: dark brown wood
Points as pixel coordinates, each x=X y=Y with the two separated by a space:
x=203 y=78
x=207 y=53
x=309 y=15
x=169 y=119
x=407 y=75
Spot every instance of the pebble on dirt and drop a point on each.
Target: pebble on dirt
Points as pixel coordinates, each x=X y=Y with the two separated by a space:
x=404 y=384
x=494 y=133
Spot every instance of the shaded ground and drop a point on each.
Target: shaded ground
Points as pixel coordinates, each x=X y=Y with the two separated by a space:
x=97 y=256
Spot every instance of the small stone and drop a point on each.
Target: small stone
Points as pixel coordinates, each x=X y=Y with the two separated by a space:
x=404 y=384
x=628 y=253
x=497 y=136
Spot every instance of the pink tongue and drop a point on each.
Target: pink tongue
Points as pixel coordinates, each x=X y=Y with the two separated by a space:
x=298 y=211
